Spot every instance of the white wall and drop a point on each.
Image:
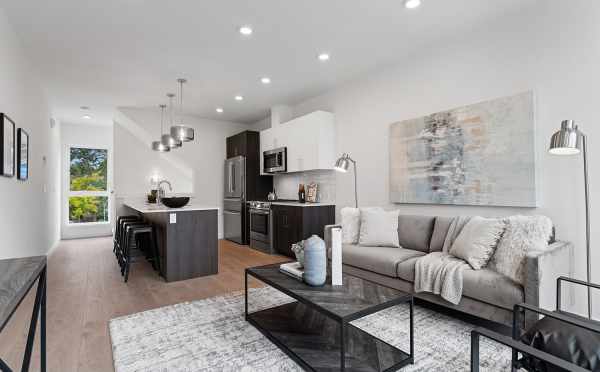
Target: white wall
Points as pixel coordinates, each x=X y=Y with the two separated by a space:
x=30 y=209
x=84 y=135
x=196 y=168
x=554 y=50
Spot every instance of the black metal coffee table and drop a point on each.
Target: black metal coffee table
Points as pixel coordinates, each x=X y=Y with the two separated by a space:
x=315 y=330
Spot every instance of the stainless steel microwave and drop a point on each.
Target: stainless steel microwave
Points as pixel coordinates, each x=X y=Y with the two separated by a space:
x=275 y=161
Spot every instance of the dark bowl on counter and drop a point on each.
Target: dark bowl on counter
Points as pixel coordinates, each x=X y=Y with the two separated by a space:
x=176 y=201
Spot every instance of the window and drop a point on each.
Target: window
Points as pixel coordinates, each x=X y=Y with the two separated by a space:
x=88 y=185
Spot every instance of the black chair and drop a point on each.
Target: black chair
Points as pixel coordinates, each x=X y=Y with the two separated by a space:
x=139 y=242
x=118 y=223
x=559 y=341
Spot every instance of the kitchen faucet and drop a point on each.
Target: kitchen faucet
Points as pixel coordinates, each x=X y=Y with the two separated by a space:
x=161 y=192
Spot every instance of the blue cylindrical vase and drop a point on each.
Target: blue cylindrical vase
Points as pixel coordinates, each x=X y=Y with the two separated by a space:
x=315 y=261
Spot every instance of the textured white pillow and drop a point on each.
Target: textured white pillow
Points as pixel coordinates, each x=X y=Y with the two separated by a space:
x=523 y=234
x=350 y=225
x=379 y=228
x=477 y=241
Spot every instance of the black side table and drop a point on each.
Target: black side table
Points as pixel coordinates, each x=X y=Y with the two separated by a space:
x=17 y=277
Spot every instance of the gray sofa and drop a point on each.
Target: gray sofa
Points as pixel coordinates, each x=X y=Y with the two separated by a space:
x=486 y=293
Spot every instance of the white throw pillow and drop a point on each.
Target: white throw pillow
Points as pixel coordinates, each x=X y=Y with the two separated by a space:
x=523 y=234
x=477 y=241
x=350 y=225
x=379 y=228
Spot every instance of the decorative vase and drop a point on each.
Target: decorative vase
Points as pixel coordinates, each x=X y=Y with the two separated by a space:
x=315 y=261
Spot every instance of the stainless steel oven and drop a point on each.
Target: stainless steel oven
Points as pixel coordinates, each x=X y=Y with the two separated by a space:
x=275 y=161
x=261 y=226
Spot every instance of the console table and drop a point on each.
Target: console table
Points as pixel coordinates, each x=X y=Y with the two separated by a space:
x=17 y=277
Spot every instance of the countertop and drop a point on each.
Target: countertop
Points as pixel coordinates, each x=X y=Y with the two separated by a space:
x=158 y=208
x=298 y=204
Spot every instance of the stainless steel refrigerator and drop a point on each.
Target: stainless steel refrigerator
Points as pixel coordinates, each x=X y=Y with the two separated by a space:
x=235 y=200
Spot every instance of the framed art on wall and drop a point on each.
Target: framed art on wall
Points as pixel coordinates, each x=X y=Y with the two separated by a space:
x=481 y=154
x=22 y=154
x=7 y=146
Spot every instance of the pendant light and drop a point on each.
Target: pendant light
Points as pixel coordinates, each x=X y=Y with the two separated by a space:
x=182 y=132
x=167 y=139
x=158 y=145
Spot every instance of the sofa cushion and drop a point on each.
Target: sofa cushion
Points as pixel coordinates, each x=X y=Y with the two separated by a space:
x=477 y=241
x=379 y=228
x=350 y=225
x=406 y=269
x=381 y=260
x=414 y=232
x=440 y=230
x=489 y=286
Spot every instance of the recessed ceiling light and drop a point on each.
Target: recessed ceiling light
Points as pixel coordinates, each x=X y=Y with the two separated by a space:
x=246 y=30
x=87 y=117
x=219 y=110
x=412 y=4
x=323 y=57
x=239 y=98
x=85 y=107
x=265 y=80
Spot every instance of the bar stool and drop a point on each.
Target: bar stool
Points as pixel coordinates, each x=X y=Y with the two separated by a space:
x=122 y=240
x=120 y=237
x=118 y=222
x=135 y=236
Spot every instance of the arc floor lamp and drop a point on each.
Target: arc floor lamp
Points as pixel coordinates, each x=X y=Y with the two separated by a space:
x=569 y=140
x=342 y=165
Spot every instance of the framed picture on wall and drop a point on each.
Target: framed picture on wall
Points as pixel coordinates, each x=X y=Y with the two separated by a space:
x=22 y=154
x=7 y=146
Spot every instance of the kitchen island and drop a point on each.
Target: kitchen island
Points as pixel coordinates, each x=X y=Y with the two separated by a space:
x=187 y=238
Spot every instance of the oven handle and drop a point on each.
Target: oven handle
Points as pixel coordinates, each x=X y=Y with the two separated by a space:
x=254 y=211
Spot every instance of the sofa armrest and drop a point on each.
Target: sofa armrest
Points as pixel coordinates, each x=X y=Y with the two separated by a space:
x=327 y=234
x=542 y=270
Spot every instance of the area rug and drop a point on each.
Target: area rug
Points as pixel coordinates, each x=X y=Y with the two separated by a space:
x=212 y=335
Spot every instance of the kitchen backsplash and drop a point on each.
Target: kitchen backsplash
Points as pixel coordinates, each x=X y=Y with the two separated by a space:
x=286 y=185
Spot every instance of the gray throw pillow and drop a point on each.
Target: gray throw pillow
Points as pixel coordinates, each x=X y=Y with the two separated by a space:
x=379 y=228
x=477 y=241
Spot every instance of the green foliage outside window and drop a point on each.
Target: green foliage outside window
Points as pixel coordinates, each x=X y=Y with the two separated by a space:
x=88 y=171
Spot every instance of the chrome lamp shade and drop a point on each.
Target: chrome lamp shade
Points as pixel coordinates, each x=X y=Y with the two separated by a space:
x=343 y=163
x=158 y=146
x=169 y=141
x=182 y=133
x=567 y=141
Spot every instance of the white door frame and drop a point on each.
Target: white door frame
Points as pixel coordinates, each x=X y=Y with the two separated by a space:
x=86 y=229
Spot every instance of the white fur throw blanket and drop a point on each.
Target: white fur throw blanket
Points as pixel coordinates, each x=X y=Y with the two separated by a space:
x=441 y=273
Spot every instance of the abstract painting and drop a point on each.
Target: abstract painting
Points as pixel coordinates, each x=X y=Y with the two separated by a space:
x=481 y=154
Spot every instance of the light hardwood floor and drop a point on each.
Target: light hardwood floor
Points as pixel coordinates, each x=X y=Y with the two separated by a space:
x=85 y=290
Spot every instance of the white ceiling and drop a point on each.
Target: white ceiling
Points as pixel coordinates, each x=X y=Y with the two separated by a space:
x=112 y=53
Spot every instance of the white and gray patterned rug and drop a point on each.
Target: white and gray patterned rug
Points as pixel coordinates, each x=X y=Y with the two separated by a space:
x=212 y=335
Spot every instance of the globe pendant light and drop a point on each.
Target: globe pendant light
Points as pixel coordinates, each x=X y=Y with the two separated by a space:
x=182 y=132
x=167 y=139
x=158 y=145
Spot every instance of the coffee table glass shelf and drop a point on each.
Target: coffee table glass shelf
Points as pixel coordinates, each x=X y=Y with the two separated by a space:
x=315 y=330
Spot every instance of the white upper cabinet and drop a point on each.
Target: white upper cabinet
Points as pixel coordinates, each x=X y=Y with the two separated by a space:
x=310 y=141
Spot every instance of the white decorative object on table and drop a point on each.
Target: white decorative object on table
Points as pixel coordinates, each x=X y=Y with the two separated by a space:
x=336 y=256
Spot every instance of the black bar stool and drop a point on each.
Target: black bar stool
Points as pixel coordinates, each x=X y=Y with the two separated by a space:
x=118 y=222
x=133 y=246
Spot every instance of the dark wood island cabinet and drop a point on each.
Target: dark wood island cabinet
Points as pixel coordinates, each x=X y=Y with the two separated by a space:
x=187 y=239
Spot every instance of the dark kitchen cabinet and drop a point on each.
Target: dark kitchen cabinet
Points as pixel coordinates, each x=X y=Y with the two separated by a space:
x=238 y=145
x=296 y=223
x=247 y=144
